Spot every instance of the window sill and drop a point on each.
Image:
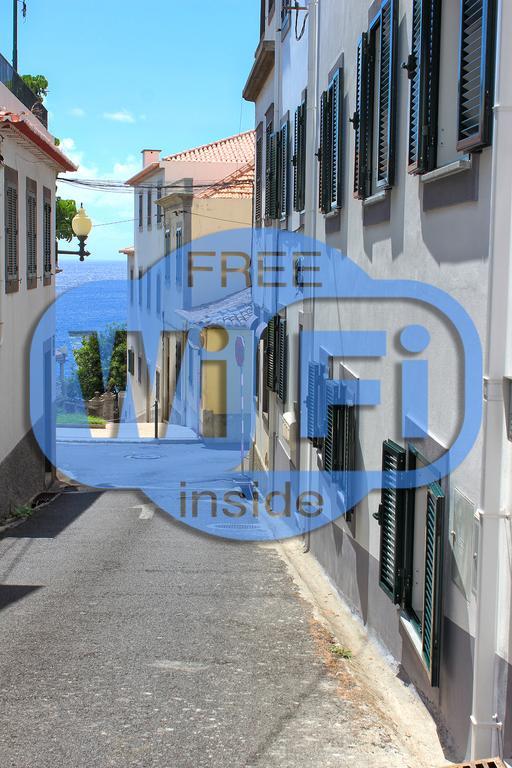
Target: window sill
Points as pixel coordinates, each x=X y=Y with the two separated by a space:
x=412 y=633
x=378 y=197
x=464 y=164
x=332 y=213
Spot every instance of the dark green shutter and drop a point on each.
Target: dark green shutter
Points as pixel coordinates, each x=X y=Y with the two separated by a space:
x=11 y=237
x=332 y=451
x=299 y=159
x=283 y=171
x=313 y=401
x=476 y=73
x=268 y=171
x=282 y=363
x=360 y=119
x=47 y=239
x=391 y=520
x=324 y=154
x=432 y=608
x=31 y=234
x=271 y=354
x=423 y=73
x=348 y=449
x=258 y=181
x=336 y=119
x=387 y=94
x=274 y=177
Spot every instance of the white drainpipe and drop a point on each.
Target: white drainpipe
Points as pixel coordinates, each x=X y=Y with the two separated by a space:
x=485 y=721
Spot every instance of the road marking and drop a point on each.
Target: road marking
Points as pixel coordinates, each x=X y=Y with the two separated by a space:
x=147 y=512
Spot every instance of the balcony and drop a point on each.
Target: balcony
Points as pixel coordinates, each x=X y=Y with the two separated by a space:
x=10 y=78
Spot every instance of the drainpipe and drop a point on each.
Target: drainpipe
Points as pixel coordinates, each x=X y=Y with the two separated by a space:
x=485 y=725
x=310 y=214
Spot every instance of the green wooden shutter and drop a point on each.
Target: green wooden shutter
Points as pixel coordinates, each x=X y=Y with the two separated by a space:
x=432 y=608
x=47 y=238
x=324 y=154
x=299 y=158
x=423 y=72
x=332 y=453
x=387 y=94
x=360 y=120
x=271 y=354
x=282 y=368
x=391 y=520
x=274 y=182
x=313 y=401
x=283 y=170
x=268 y=171
x=258 y=181
x=348 y=449
x=336 y=116
x=476 y=74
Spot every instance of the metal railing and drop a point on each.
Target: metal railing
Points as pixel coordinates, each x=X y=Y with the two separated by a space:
x=10 y=78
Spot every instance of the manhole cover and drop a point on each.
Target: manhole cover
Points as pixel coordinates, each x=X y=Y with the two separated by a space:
x=144 y=456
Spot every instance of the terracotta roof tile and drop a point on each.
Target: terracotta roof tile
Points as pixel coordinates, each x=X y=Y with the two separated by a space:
x=234 y=149
x=237 y=185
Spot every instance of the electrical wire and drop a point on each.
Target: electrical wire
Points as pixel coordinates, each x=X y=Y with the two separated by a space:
x=300 y=35
x=104 y=185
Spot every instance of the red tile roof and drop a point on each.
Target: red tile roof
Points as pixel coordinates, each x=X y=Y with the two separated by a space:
x=39 y=138
x=239 y=184
x=234 y=149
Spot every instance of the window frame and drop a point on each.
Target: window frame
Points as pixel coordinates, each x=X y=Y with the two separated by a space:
x=11 y=266
x=330 y=151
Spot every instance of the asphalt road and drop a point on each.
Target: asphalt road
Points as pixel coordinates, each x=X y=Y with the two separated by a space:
x=129 y=640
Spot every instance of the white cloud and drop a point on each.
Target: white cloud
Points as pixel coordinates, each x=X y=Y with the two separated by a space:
x=77 y=112
x=123 y=116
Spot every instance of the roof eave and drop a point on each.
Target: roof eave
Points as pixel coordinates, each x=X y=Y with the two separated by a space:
x=261 y=69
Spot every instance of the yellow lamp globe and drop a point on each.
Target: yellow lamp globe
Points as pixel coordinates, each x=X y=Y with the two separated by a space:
x=81 y=223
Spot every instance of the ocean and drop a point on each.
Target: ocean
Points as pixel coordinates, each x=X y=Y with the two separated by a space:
x=76 y=273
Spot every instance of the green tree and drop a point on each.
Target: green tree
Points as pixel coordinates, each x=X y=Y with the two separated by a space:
x=66 y=209
x=38 y=84
x=89 y=363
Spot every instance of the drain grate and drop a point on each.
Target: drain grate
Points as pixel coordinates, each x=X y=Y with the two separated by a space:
x=238 y=526
x=42 y=498
x=144 y=456
x=493 y=762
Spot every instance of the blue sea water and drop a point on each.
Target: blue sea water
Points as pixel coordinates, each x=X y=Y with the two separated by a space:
x=108 y=301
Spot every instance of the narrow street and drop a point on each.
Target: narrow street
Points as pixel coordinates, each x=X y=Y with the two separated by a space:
x=129 y=640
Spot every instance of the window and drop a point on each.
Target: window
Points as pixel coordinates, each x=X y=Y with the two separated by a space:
x=158 y=294
x=285 y=14
x=159 y=207
x=131 y=361
x=271 y=198
x=283 y=168
x=31 y=232
x=47 y=236
x=276 y=357
x=157 y=385
x=179 y=256
x=141 y=210
x=11 y=230
x=258 y=192
x=330 y=151
x=139 y=369
x=150 y=209
x=411 y=550
x=375 y=116
x=457 y=117
x=140 y=287
x=299 y=159
x=167 y=248
x=148 y=290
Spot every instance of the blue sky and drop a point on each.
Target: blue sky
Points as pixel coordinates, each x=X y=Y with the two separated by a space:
x=124 y=75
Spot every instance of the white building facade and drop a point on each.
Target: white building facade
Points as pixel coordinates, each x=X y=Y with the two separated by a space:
x=397 y=154
x=30 y=162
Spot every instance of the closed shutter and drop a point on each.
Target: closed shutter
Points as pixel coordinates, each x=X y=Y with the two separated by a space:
x=391 y=520
x=258 y=181
x=332 y=453
x=336 y=121
x=313 y=401
x=423 y=72
x=150 y=208
x=271 y=354
x=141 y=211
x=299 y=159
x=283 y=171
x=31 y=233
x=432 y=614
x=274 y=183
x=387 y=94
x=268 y=171
x=47 y=236
x=324 y=155
x=11 y=232
x=360 y=119
x=476 y=73
x=348 y=449
x=282 y=367
x=159 y=207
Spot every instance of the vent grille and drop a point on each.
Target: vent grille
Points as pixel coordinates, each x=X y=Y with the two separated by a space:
x=493 y=762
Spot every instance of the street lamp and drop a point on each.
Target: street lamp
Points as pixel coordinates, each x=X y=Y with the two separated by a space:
x=81 y=225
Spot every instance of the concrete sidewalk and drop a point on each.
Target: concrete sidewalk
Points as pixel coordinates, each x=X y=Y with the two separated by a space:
x=172 y=433
x=128 y=640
